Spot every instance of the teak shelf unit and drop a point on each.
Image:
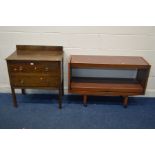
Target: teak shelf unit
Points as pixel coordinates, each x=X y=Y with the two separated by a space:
x=108 y=86
x=36 y=67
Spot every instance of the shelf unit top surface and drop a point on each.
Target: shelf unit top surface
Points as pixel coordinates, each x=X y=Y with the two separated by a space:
x=108 y=60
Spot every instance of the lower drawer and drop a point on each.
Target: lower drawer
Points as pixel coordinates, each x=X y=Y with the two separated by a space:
x=34 y=81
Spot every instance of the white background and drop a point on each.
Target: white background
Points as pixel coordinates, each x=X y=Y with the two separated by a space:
x=69 y=12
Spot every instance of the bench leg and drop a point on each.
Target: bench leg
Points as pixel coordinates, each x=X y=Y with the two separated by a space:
x=14 y=97
x=23 y=91
x=62 y=88
x=60 y=97
x=85 y=100
x=125 y=102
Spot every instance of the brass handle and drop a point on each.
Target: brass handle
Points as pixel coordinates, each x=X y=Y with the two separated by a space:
x=31 y=63
x=35 y=68
x=20 y=68
x=41 y=78
x=22 y=81
x=15 y=69
x=46 y=69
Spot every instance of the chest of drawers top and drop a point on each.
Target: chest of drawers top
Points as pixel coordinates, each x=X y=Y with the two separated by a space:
x=37 y=53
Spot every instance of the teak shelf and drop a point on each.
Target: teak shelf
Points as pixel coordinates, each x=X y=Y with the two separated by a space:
x=108 y=86
x=36 y=67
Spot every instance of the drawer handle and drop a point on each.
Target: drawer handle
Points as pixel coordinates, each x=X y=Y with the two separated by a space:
x=41 y=78
x=46 y=69
x=35 y=68
x=22 y=81
x=20 y=68
x=15 y=69
x=31 y=63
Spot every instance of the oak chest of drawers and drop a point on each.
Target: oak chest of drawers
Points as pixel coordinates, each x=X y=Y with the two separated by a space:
x=36 y=67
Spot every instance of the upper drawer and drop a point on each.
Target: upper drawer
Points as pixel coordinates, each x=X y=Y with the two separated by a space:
x=33 y=67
